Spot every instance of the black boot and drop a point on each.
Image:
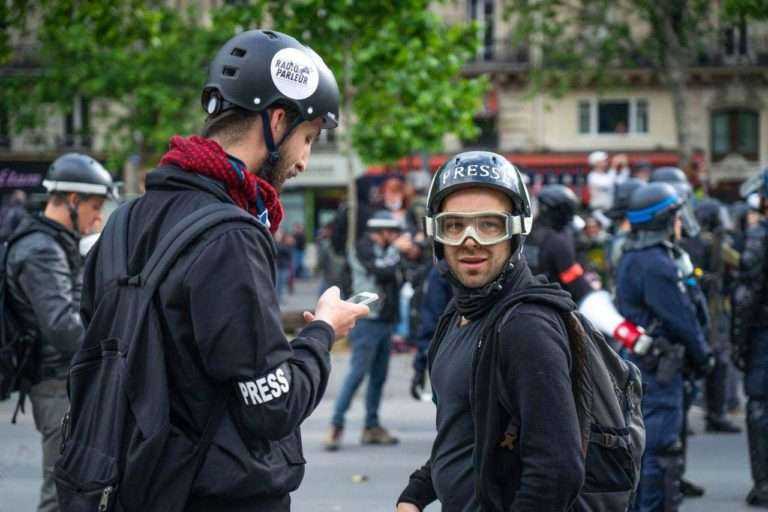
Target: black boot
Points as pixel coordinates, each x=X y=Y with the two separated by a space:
x=757 y=434
x=690 y=490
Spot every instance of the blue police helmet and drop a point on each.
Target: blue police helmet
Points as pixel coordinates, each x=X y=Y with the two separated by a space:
x=653 y=207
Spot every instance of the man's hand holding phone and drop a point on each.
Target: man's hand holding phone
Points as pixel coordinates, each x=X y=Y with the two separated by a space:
x=341 y=315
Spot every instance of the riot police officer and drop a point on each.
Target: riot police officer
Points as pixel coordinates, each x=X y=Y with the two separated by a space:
x=650 y=293
x=621 y=227
x=550 y=248
x=716 y=257
x=750 y=338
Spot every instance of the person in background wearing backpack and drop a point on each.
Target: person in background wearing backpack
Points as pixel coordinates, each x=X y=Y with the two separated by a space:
x=750 y=337
x=508 y=432
x=651 y=293
x=267 y=98
x=44 y=272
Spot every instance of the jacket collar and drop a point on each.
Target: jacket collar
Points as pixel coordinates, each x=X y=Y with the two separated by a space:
x=169 y=177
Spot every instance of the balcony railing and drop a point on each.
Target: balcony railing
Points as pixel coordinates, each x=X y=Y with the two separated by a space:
x=501 y=55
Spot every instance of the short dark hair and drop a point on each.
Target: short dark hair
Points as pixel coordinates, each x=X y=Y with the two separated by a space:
x=232 y=124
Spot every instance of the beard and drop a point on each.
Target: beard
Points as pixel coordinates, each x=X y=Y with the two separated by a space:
x=276 y=174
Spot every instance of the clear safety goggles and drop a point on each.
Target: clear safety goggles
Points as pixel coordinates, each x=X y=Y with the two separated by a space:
x=486 y=228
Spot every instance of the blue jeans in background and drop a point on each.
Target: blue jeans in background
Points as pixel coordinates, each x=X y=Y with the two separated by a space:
x=371 y=343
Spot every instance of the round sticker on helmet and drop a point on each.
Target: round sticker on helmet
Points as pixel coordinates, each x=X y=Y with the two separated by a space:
x=294 y=74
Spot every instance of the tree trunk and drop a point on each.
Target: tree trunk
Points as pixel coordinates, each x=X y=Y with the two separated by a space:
x=674 y=74
x=676 y=83
x=346 y=149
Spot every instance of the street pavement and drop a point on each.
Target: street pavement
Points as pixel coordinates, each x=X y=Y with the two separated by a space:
x=369 y=479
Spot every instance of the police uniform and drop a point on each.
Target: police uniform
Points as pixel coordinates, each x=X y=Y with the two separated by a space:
x=750 y=337
x=651 y=293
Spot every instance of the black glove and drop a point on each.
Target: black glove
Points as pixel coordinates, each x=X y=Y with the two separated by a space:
x=417 y=384
x=706 y=367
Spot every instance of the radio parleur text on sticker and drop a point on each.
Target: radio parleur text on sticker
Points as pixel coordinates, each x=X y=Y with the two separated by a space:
x=288 y=70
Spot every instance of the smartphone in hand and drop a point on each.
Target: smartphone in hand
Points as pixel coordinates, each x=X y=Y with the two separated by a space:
x=363 y=298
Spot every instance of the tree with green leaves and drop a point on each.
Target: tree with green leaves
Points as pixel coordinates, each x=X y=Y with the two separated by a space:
x=142 y=64
x=593 y=42
x=399 y=70
x=398 y=65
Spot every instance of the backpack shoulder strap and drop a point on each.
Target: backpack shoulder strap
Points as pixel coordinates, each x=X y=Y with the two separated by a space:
x=182 y=235
x=115 y=238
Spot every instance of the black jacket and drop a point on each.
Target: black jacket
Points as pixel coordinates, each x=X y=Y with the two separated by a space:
x=553 y=253
x=222 y=330
x=45 y=275
x=527 y=454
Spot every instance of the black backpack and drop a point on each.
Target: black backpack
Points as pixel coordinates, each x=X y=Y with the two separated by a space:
x=18 y=347
x=120 y=451
x=608 y=393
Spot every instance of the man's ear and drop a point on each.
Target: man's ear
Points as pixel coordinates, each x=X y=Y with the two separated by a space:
x=72 y=199
x=277 y=123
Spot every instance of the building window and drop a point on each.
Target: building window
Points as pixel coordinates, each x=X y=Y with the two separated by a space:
x=613 y=117
x=77 y=124
x=736 y=40
x=482 y=11
x=487 y=136
x=735 y=131
x=5 y=127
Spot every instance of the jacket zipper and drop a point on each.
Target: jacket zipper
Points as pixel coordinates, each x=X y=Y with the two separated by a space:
x=104 y=503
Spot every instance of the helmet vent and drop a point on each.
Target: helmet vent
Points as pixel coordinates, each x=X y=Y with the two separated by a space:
x=229 y=71
x=238 y=52
x=270 y=34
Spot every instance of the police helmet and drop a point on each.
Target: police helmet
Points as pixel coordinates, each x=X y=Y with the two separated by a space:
x=557 y=206
x=621 y=194
x=712 y=216
x=75 y=172
x=653 y=207
x=258 y=68
x=676 y=177
x=481 y=169
x=757 y=184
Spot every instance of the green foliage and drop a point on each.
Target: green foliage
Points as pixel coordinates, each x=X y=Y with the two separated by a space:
x=581 y=40
x=746 y=9
x=403 y=63
x=148 y=61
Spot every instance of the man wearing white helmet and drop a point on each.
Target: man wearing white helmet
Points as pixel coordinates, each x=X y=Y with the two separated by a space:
x=44 y=282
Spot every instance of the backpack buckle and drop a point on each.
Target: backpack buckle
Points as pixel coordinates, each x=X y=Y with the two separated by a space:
x=608 y=440
x=134 y=280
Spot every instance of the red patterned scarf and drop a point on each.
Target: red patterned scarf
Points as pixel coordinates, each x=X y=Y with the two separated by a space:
x=207 y=158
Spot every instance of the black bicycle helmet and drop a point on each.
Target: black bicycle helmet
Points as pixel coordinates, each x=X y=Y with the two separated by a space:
x=257 y=68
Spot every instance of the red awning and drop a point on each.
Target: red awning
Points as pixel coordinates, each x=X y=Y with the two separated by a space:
x=545 y=162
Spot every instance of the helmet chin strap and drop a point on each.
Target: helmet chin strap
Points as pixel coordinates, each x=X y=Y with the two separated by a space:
x=273 y=149
x=73 y=215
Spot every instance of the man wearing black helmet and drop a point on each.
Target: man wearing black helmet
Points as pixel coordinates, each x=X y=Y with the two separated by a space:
x=550 y=250
x=267 y=98
x=750 y=338
x=651 y=293
x=478 y=215
x=44 y=278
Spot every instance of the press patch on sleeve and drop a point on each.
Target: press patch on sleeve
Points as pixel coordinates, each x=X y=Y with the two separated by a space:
x=264 y=389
